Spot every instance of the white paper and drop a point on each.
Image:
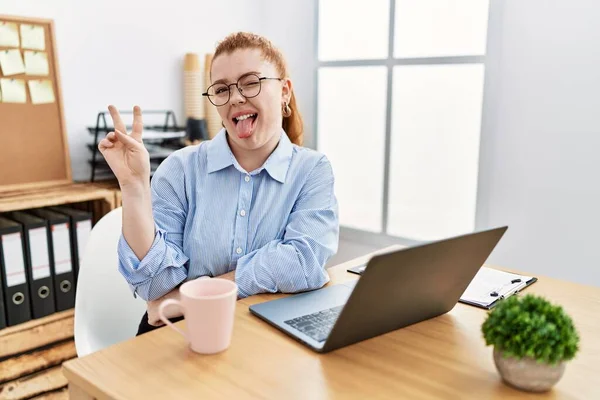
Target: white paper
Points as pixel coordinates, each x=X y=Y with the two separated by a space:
x=41 y=91
x=36 y=63
x=14 y=263
x=11 y=62
x=9 y=34
x=38 y=246
x=83 y=233
x=13 y=90
x=32 y=37
x=151 y=134
x=489 y=280
x=61 y=244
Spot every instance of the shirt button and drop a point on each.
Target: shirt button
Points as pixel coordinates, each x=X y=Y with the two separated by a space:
x=238 y=250
x=247 y=178
x=243 y=213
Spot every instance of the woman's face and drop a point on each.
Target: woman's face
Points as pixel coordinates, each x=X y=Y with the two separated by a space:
x=250 y=122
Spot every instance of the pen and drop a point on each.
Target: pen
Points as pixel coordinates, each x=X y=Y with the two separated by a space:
x=514 y=290
x=510 y=292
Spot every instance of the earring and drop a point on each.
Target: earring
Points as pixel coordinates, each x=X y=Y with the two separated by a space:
x=286 y=110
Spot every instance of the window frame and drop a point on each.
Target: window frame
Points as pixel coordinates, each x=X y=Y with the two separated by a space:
x=390 y=62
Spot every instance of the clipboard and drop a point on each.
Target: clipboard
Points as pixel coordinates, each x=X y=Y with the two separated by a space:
x=359 y=269
x=487 y=288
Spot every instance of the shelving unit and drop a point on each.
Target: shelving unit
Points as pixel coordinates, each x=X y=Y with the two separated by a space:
x=35 y=171
x=31 y=357
x=96 y=199
x=160 y=141
x=32 y=353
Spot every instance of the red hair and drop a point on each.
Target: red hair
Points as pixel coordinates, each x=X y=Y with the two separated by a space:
x=292 y=125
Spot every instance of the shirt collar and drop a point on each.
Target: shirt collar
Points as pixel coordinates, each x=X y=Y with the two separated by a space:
x=220 y=156
x=278 y=163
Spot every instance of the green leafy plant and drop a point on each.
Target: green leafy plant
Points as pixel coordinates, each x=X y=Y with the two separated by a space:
x=530 y=326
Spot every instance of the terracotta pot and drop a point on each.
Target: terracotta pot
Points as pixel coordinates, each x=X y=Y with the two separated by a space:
x=527 y=374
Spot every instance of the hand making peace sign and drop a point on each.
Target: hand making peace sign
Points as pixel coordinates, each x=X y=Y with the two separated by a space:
x=125 y=153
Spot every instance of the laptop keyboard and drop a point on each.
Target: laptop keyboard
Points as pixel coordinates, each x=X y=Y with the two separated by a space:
x=316 y=325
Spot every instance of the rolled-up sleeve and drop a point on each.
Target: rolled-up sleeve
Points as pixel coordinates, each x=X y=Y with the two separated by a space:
x=297 y=262
x=165 y=265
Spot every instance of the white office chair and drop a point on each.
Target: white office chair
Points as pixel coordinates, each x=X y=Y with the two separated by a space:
x=105 y=310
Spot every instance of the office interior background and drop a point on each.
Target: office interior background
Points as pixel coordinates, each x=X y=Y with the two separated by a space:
x=436 y=123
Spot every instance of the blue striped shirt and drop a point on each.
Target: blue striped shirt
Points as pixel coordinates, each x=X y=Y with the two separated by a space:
x=275 y=226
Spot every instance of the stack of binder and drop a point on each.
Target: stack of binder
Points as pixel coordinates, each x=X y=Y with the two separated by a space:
x=37 y=263
x=39 y=260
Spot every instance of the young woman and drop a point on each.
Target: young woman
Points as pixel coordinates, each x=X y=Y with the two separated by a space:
x=250 y=205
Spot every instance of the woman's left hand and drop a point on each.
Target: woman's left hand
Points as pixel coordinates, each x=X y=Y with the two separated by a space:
x=170 y=312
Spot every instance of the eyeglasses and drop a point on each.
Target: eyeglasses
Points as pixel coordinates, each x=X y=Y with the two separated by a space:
x=248 y=85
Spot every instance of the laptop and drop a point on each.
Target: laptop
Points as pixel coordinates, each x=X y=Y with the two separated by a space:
x=397 y=289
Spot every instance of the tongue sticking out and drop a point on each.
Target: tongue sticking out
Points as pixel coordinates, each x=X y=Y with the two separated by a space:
x=245 y=127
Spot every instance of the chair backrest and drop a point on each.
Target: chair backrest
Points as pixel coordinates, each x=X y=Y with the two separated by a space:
x=105 y=310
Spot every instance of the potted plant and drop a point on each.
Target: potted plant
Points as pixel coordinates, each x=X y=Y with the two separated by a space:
x=532 y=340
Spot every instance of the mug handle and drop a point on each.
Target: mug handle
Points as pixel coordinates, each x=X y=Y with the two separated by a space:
x=161 y=308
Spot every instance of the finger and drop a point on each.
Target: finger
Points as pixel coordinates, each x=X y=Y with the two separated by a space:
x=126 y=139
x=116 y=117
x=111 y=136
x=105 y=144
x=138 y=125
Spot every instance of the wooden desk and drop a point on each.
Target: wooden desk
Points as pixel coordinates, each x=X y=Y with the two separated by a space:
x=445 y=358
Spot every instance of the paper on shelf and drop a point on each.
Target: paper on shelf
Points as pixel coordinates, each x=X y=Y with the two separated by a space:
x=151 y=134
x=14 y=263
x=61 y=244
x=38 y=246
x=84 y=228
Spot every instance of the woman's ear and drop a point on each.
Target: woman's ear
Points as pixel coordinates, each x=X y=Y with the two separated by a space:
x=286 y=92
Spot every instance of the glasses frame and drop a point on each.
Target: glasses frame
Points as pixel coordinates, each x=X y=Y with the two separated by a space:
x=240 y=91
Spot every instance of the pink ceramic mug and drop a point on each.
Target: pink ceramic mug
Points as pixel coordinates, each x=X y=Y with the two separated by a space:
x=208 y=306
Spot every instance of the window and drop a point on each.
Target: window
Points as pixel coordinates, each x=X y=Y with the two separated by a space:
x=359 y=31
x=400 y=92
x=364 y=137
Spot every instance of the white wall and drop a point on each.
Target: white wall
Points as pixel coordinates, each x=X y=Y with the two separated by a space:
x=290 y=25
x=540 y=154
x=129 y=52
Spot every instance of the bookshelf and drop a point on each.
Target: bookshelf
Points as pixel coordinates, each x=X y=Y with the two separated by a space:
x=32 y=353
